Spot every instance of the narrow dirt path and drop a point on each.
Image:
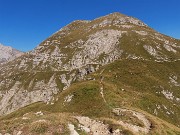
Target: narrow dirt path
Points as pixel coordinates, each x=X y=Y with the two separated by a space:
x=134 y=128
x=102 y=89
x=95 y=127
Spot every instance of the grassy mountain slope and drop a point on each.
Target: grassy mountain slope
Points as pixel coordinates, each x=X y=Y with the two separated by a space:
x=130 y=84
x=114 y=69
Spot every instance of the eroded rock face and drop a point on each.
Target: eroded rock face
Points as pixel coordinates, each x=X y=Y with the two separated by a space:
x=7 y=53
x=76 y=50
x=18 y=96
x=100 y=43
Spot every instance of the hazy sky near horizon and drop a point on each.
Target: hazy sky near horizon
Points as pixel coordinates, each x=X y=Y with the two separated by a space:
x=26 y=23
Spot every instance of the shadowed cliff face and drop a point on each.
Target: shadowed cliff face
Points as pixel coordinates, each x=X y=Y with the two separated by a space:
x=84 y=48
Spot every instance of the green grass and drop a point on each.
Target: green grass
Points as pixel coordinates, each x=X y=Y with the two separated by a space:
x=142 y=79
x=127 y=83
x=122 y=79
x=86 y=100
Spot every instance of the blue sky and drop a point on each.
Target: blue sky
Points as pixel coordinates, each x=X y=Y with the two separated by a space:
x=26 y=23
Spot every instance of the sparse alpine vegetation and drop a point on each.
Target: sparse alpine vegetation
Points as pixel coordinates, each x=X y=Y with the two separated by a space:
x=110 y=76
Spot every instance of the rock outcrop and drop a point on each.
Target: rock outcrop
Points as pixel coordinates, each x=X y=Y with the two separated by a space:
x=7 y=53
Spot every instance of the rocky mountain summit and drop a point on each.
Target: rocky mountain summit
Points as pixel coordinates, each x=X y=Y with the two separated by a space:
x=94 y=67
x=7 y=53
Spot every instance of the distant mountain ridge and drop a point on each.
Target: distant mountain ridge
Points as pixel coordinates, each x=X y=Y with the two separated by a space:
x=7 y=53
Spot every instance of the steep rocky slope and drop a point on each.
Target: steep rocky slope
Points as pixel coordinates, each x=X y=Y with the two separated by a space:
x=107 y=60
x=7 y=53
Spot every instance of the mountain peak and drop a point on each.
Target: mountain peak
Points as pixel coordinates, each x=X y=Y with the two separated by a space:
x=116 y=14
x=118 y=18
